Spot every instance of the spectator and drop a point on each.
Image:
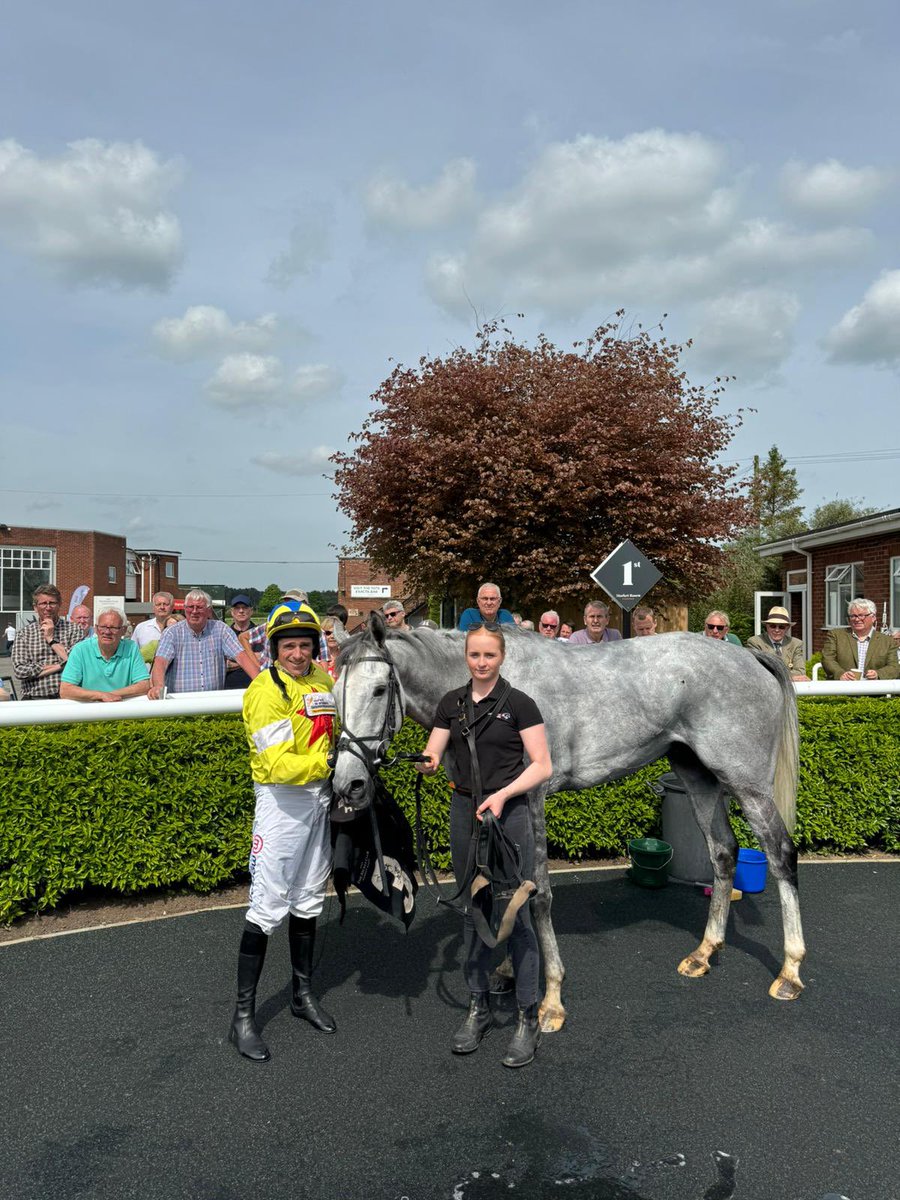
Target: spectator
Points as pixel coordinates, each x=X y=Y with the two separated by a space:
x=82 y=616
x=427 y=623
x=596 y=626
x=194 y=651
x=255 y=639
x=517 y=618
x=565 y=631
x=776 y=640
x=42 y=647
x=717 y=625
x=643 y=622
x=394 y=614
x=107 y=667
x=4 y=695
x=328 y=658
x=895 y=634
x=338 y=610
x=153 y=628
x=527 y=625
x=548 y=625
x=241 y=622
x=860 y=652
x=488 y=613
x=10 y=636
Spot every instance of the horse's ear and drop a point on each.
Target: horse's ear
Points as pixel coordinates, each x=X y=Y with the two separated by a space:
x=340 y=633
x=377 y=627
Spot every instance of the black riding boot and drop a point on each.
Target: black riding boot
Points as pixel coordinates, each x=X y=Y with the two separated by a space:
x=244 y=1031
x=302 y=938
x=526 y=1038
x=476 y=1025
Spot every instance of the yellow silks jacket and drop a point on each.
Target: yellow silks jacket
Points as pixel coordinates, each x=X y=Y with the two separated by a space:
x=289 y=742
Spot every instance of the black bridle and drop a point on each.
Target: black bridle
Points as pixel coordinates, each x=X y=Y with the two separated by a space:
x=374 y=757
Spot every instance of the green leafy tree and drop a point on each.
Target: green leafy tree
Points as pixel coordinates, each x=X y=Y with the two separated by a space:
x=775 y=495
x=837 y=511
x=527 y=465
x=321 y=600
x=270 y=598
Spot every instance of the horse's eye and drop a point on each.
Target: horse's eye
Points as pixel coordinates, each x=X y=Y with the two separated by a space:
x=379 y=691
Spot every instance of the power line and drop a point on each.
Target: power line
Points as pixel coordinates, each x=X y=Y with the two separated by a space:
x=166 y=496
x=266 y=562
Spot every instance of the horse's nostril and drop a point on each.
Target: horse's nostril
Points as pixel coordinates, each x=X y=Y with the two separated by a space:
x=356 y=786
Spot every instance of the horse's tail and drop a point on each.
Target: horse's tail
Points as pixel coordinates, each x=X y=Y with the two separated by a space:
x=787 y=764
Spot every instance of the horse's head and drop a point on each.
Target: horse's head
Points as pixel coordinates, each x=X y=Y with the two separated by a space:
x=370 y=705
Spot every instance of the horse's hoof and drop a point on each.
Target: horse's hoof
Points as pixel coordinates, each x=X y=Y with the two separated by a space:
x=786 y=989
x=693 y=967
x=552 y=1018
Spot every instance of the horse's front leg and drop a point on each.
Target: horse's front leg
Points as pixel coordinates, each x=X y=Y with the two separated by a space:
x=552 y=1013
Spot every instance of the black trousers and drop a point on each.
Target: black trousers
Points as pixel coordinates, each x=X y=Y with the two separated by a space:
x=523 y=944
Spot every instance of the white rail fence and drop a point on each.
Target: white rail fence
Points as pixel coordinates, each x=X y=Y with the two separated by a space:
x=203 y=704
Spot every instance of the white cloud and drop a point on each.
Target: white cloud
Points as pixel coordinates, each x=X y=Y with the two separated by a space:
x=748 y=334
x=205 y=330
x=649 y=219
x=246 y=379
x=308 y=246
x=398 y=205
x=849 y=41
x=315 y=381
x=829 y=190
x=870 y=332
x=96 y=214
x=310 y=462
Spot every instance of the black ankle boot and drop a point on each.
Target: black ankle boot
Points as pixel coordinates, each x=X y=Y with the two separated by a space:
x=525 y=1040
x=244 y=1032
x=302 y=938
x=476 y=1025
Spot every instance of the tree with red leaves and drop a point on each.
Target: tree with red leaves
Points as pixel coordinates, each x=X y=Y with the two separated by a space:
x=528 y=465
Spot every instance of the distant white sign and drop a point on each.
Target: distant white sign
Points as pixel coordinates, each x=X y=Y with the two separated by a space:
x=370 y=591
x=101 y=602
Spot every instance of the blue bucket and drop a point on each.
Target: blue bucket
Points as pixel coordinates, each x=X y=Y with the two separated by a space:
x=750 y=873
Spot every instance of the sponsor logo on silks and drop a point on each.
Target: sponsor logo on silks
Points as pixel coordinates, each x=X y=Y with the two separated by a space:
x=320 y=708
x=504 y=716
x=257 y=845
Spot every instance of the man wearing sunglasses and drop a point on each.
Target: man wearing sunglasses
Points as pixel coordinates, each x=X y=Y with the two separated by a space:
x=776 y=639
x=548 y=625
x=717 y=626
x=394 y=615
x=860 y=652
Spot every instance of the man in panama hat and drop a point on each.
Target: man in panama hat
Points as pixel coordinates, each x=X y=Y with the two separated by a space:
x=775 y=639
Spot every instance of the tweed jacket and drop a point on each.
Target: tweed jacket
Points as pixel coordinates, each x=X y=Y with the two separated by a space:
x=839 y=654
x=791 y=652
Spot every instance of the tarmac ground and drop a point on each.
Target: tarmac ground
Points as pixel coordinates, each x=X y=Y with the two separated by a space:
x=119 y=1081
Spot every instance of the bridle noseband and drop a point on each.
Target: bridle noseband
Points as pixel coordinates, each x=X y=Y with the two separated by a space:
x=373 y=759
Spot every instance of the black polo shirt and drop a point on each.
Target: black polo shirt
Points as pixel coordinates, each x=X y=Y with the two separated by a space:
x=497 y=738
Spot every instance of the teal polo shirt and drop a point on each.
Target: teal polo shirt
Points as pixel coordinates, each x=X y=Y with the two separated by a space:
x=89 y=669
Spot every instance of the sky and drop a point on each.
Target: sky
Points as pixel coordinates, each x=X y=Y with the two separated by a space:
x=222 y=225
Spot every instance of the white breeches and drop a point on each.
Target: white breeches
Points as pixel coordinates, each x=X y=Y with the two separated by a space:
x=290 y=859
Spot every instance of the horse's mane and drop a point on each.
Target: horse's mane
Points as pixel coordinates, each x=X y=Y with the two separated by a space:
x=435 y=643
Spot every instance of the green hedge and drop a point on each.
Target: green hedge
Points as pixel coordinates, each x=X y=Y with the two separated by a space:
x=133 y=805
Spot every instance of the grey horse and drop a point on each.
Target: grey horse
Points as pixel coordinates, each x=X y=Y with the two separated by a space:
x=726 y=718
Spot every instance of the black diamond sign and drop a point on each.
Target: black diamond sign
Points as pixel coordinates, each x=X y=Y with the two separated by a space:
x=626 y=575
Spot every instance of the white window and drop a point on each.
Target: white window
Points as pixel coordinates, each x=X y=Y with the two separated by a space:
x=895 y=593
x=796 y=579
x=22 y=569
x=170 y=570
x=111 y=574
x=843 y=583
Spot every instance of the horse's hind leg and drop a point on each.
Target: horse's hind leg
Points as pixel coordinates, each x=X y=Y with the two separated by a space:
x=552 y=1013
x=776 y=843
x=705 y=793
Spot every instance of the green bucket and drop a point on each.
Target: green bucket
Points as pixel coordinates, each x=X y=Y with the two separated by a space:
x=650 y=860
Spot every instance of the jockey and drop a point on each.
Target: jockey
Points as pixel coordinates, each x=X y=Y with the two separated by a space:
x=289 y=721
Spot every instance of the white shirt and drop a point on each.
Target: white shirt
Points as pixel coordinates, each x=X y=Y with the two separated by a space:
x=147 y=631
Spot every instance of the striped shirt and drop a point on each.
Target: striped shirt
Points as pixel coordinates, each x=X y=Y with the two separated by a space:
x=197 y=659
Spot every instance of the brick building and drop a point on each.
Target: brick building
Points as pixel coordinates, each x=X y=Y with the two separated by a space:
x=361 y=589
x=822 y=570
x=71 y=558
